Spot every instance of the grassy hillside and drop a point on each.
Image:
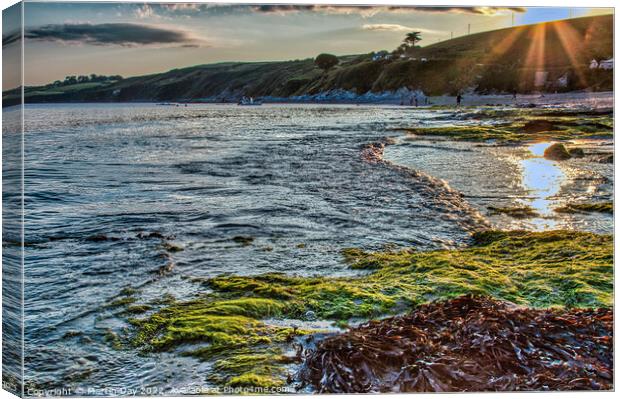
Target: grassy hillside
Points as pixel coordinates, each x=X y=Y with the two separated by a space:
x=497 y=61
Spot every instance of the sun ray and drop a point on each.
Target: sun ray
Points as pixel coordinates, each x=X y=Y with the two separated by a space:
x=507 y=42
x=571 y=42
x=535 y=57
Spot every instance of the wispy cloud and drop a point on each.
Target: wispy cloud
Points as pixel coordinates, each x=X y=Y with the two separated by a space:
x=471 y=10
x=155 y=10
x=11 y=37
x=109 y=34
x=145 y=11
x=398 y=28
x=283 y=8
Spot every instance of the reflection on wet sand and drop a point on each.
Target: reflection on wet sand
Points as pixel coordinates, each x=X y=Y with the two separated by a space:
x=542 y=179
x=513 y=177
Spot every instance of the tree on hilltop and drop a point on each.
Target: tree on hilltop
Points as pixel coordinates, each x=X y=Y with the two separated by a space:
x=326 y=61
x=412 y=38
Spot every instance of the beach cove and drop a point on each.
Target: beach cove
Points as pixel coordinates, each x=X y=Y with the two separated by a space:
x=245 y=237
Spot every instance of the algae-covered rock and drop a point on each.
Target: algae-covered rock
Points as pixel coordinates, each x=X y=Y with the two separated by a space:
x=540 y=125
x=576 y=152
x=557 y=152
x=518 y=212
x=602 y=207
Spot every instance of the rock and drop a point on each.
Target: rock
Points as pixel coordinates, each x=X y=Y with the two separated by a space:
x=310 y=315
x=607 y=159
x=243 y=240
x=537 y=126
x=576 y=152
x=556 y=152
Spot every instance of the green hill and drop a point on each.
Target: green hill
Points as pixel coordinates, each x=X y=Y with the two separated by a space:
x=504 y=60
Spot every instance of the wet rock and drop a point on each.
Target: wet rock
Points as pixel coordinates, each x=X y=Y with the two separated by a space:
x=155 y=235
x=72 y=333
x=100 y=238
x=539 y=125
x=310 y=315
x=171 y=247
x=243 y=240
x=557 y=152
x=518 y=212
x=576 y=152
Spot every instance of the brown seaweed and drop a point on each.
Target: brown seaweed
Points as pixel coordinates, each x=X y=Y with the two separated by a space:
x=470 y=343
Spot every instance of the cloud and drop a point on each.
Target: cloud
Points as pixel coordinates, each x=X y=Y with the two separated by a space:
x=283 y=8
x=192 y=9
x=398 y=28
x=12 y=37
x=111 y=34
x=469 y=10
x=145 y=11
x=182 y=6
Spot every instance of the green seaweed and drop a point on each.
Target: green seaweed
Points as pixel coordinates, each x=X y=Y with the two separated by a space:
x=543 y=269
x=518 y=212
x=137 y=309
x=602 y=207
x=128 y=300
x=523 y=125
x=128 y=291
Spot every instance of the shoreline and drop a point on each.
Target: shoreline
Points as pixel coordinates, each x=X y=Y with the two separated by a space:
x=594 y=100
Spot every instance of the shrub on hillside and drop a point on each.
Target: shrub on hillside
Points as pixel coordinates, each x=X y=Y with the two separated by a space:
x=326 y=61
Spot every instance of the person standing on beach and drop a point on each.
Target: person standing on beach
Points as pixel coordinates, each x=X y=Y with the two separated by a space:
x=458 y=100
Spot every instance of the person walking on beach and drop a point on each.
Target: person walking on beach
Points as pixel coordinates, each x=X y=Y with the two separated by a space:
x=458 y=100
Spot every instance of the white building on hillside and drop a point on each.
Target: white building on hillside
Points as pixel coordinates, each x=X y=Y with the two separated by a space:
x=602 y=64
x=381 y=55
x=606 y=64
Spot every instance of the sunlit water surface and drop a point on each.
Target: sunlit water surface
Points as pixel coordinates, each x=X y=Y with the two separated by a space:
x=243 y=190
x=496 y=176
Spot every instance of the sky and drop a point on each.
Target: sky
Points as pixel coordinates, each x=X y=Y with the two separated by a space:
x=131 y=39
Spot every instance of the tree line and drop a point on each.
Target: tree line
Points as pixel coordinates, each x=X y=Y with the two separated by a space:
x=327 y=61
x=93 y=77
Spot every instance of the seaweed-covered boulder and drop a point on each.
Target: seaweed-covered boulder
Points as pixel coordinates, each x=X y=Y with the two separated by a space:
x=576 y=152
x=557 y=152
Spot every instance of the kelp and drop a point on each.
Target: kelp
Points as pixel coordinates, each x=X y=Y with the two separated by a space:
x=470 y=343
